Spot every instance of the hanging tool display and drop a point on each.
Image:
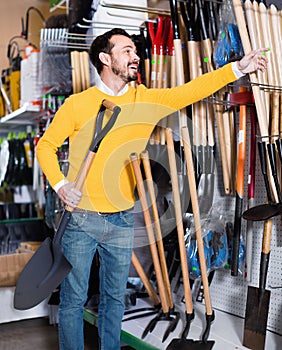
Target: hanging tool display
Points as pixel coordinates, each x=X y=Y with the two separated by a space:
x=211 y=44
x=259 y=16
x=261 y=103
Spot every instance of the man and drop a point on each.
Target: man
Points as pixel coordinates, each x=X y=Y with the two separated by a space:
x=103 y=218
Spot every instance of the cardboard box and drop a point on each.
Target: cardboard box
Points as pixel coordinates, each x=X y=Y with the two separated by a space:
x=11 y=266
x=28 y=247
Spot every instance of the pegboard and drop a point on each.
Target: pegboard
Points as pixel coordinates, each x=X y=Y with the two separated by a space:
x=229 y=293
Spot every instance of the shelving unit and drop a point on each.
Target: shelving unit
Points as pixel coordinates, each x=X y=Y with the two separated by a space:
x=18 y=120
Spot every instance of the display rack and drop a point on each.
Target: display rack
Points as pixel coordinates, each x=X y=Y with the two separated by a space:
x=21 y=118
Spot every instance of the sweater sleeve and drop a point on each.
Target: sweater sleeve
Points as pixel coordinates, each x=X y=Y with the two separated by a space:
x=46 y=151
x=193 y=91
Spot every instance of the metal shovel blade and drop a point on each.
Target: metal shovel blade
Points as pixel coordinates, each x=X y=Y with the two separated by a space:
x=256 y=318
x=206 y=193
x=41 y=275
x=263 y=212
x=190 y=344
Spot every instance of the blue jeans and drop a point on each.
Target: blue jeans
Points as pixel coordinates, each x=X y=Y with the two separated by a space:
x=112 y=235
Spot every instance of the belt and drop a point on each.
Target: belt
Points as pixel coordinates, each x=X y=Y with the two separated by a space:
x=82 y=211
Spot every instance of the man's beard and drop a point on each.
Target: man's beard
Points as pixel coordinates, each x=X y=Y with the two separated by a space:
x=126 y=76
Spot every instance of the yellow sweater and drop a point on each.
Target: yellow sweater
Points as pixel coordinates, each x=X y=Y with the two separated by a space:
x=110 y=184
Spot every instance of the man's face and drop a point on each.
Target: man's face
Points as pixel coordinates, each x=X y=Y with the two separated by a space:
x=124 y=60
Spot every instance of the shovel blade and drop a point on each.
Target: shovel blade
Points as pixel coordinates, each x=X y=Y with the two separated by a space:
x=30 y=289
x=206 y=193
x=262 y=212
x=256 y=318
x=190 y=344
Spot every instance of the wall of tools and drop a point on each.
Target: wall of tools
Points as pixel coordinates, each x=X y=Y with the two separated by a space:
x=250 y=107
x=234 y=132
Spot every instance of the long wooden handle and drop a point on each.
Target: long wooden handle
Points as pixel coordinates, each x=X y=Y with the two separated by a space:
x=261 y=111
x=256 y=38
x=179 y=222
x=197 y=220
x=151 y=190
x=178 y=56
x=83 y=174
x=265 y=252
x=222 y=145
x=274 y=20
x=149 y=228
x=85 y=62
x=147 y=284
x=260 y=105
x=73 y=72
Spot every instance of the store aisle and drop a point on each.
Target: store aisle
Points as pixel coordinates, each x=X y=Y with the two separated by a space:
x=38 y=334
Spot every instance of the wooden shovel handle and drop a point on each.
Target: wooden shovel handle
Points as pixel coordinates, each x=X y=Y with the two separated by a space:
x=147 y=284
x=151 y=190
x=197 y=220
x=222 y=145
x=149 y=228
x=265 y=252
x=109 y=105
x=179 y=222
x=261 y=112
x=267 y=233
x=85 y=60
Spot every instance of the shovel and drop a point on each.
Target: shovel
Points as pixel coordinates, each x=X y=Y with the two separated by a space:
x=258 y=299
x=48 y=266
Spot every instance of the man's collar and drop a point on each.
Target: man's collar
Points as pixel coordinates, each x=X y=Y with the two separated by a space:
x=104 y=88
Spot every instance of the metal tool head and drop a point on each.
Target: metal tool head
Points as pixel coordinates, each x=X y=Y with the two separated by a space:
x=190 y=344
x=256 y=315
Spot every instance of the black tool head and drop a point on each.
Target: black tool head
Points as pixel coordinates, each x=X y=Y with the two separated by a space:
x=41 y=275
x=263 y=212
x=190 y=344
x=256 y=316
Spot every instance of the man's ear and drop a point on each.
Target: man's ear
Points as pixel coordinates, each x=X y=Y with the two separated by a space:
x=104 y=58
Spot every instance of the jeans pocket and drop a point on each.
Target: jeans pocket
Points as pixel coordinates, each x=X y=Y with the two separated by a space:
x=78 y=219
x=127 y=217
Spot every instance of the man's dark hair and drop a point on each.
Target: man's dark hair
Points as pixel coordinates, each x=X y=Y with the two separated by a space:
x=102 y=44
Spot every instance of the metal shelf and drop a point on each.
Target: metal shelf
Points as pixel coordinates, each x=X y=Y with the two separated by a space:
x=21 y=118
